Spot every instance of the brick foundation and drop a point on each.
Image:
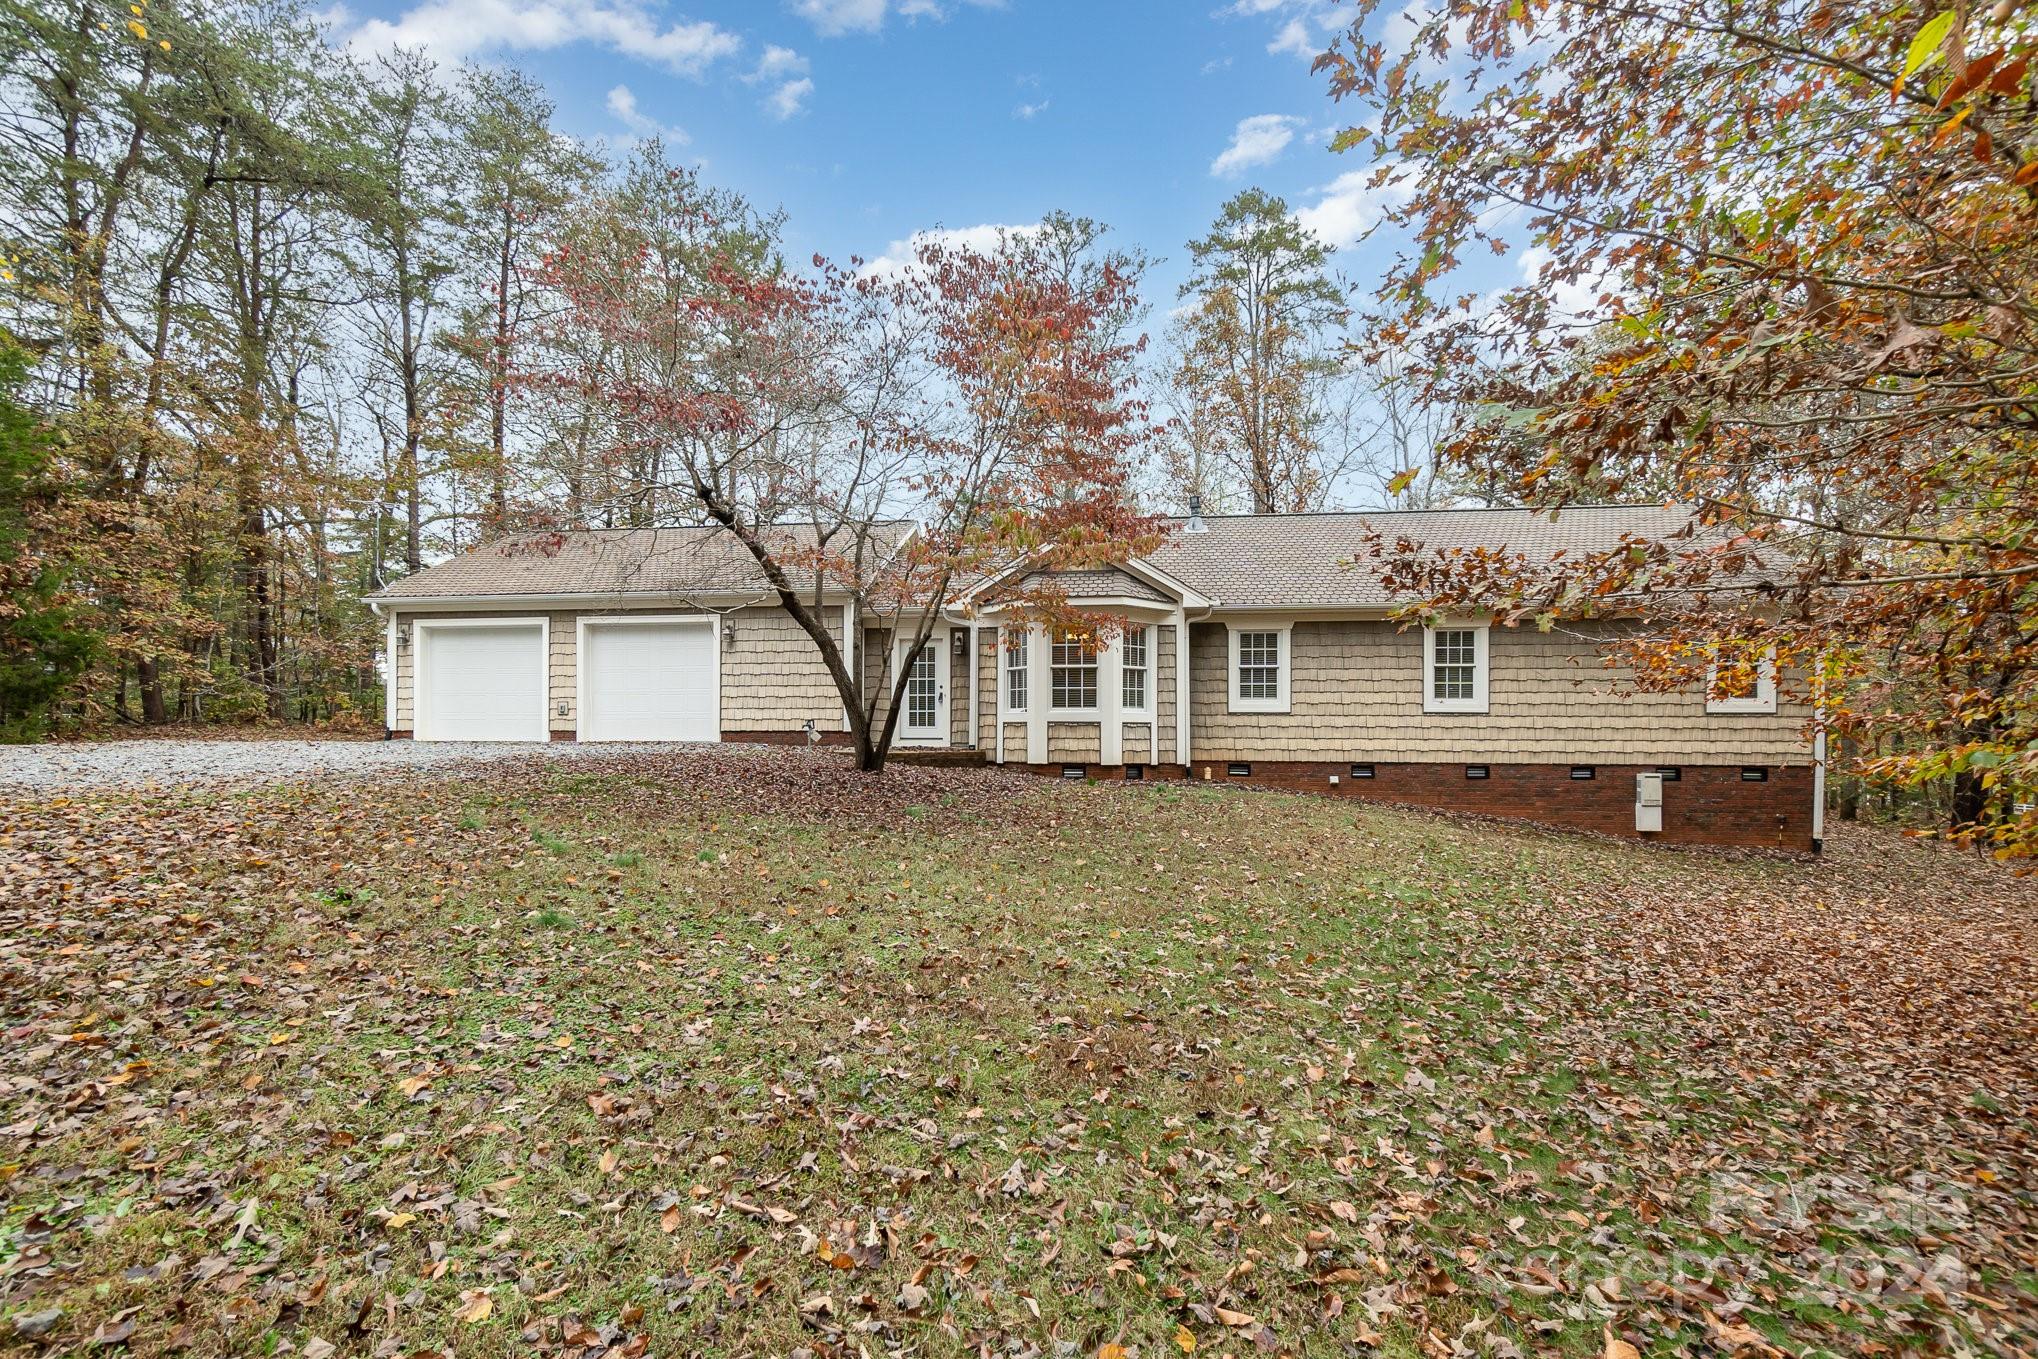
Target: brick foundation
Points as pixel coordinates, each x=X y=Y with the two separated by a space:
x=1705 y=805
x=768 y=738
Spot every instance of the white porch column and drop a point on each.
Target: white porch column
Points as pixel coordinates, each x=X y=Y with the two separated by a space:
x=1036 y=696
x=1110 y=696
x=1182 y=686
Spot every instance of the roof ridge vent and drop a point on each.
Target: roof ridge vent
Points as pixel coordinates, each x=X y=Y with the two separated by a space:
x=1195 y=524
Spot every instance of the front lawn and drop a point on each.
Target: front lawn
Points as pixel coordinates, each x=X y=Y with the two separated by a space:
x=747 y=1054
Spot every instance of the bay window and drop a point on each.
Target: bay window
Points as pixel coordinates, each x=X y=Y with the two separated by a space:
x=1015 y=670
x=1072 y=674
x=1133 y=670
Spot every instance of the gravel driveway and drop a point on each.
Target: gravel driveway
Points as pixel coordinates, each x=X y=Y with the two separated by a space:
x=143 y=764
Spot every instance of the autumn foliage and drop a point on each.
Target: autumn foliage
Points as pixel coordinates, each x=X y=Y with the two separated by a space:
x=1779 y=265
x=985 y=396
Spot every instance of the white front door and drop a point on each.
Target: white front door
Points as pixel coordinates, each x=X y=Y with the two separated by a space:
x=923 y=720
x=648 y=679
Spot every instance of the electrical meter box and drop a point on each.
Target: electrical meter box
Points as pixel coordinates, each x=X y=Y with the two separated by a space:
x=1648 y=802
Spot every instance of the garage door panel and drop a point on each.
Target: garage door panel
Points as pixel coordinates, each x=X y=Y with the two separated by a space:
x=650 y=682
x=482 y=683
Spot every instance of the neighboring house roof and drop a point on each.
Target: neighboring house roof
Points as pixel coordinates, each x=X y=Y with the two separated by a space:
x=1300 y=560
x=1103 y=583
x=679 y=561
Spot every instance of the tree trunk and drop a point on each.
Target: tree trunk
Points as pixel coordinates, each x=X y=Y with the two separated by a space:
x=155 y=711
x=1970 y=799
x=250 y=507
x=498 y=378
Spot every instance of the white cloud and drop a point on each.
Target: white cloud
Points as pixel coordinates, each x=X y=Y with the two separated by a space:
x=623 y=104
x=451 y=30
x=786 y=72
x=1350 y=205
x=833 y=18
x=787 y=100
x=1028 y=112
x=1255 y=141
x=1216 y=64
x=1294 y=37
x=1307 y=26
x=901 y=256
x=779 y=63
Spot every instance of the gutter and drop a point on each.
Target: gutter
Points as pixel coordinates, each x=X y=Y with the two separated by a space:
x=590 y=600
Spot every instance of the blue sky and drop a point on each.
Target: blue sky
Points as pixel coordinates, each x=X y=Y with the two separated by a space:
x=871 y=120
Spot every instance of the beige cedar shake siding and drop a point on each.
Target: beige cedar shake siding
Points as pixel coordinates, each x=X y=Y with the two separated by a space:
x=1074 y=743
x=1015 y=743
x=988 y=677
x=878 y=676
x=958 y=687
x=773 y=679
x=1164 y=695
x=1133 y=742
x=1356 y=694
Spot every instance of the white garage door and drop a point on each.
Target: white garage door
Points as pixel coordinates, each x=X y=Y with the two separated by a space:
x=481 y=683
x=649 y=681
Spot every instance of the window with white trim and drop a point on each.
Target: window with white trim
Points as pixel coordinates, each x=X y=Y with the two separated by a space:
x=1072 y=674
x=1741 y=679
x=1259 y=669
x=1454 y=668
x=1133 y=670
x=1015 y=670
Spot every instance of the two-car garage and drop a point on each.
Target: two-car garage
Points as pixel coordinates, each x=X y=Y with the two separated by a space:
x=637 y=678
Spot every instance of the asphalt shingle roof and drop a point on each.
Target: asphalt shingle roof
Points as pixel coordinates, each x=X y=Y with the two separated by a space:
x=1297 y=560
x=1240 y=561
x=677 y=561
x=1106 y=583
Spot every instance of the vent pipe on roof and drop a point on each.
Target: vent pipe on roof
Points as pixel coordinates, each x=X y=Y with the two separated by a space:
x=1195 y=524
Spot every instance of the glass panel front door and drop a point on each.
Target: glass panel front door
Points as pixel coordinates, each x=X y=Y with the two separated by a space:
x=923 y=693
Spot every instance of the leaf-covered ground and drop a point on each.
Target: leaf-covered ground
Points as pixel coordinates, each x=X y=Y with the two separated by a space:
x=744 y=1053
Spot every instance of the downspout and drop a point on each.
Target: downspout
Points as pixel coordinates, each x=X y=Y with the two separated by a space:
x=389 y=669
x=976 y=716
x=1183 y=686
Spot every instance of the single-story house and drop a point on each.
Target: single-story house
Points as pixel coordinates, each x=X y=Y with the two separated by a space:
x=1256 y=653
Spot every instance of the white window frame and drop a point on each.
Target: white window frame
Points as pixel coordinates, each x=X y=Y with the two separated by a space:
x=1006 y=668
x=1096 y=710
x=1284 y=638
x=1763 y=700
x=1477 y=703
x=1143 y=708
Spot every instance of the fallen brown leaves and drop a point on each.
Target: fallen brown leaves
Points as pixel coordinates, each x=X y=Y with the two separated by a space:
x=745 y=1051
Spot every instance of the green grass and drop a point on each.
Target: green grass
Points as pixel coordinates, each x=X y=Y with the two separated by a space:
x=1107 y=1065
